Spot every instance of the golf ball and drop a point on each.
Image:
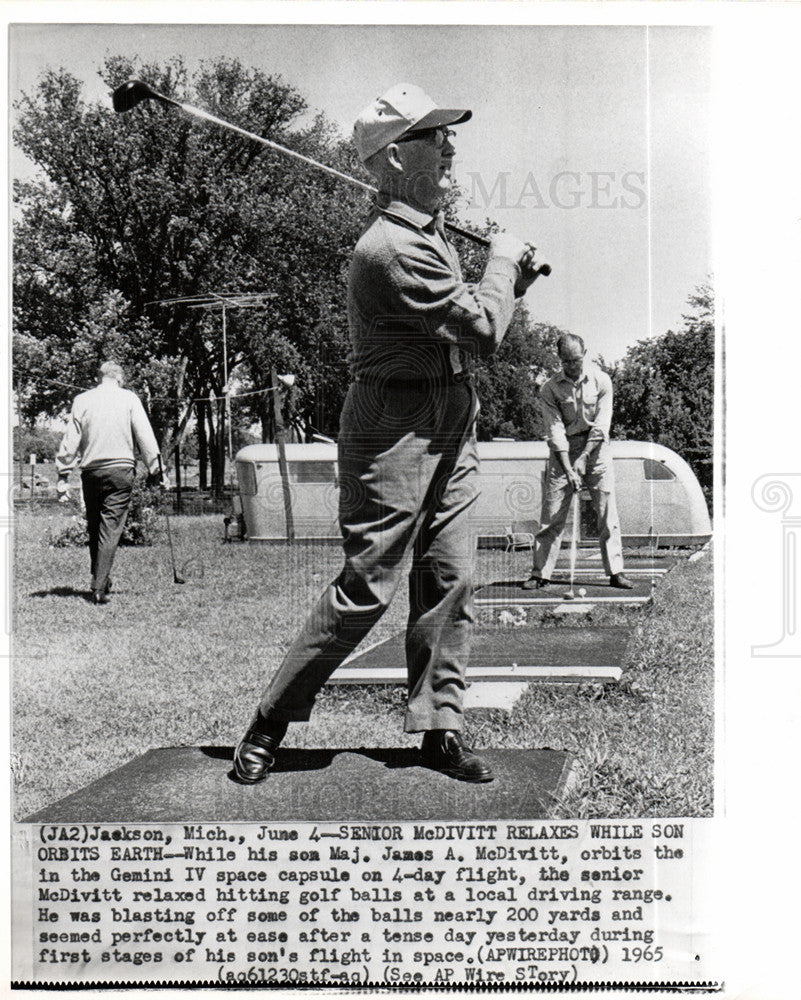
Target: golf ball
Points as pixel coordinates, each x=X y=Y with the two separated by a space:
x=582 y=592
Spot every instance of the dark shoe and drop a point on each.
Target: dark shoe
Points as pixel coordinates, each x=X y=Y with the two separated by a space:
x=620 y=581
x=255 y=754
x=100 y=597
x=444 y=750
x=535 y=583
x=108 y=585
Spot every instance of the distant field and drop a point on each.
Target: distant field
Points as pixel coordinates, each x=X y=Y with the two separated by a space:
x=166 y=665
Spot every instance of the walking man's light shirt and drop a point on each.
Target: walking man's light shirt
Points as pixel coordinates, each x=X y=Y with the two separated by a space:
x=103 y=426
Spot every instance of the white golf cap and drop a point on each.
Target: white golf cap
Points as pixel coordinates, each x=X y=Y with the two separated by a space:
x=403 y=108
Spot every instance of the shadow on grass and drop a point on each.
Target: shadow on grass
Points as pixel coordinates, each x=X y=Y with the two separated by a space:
x=86 y=595
x=290 y=759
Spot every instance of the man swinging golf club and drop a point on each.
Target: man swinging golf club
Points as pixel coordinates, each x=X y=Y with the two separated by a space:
x=407 y=447
x=576 y=407
x=103 y=426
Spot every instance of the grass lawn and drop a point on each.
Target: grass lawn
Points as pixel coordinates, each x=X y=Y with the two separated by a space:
x=166 y=665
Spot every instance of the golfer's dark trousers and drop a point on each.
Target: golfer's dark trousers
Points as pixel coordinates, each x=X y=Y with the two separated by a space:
x=107 y=496
x=407 y=465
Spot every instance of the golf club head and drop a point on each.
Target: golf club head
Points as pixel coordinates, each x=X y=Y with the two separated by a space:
x=129 y=94
x=190 y=569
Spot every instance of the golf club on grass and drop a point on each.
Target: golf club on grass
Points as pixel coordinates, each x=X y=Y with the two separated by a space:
x=570 y=596
x=129 y=94
x=176 y=578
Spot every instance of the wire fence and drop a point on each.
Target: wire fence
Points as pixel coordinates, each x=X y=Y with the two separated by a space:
x=34 y=489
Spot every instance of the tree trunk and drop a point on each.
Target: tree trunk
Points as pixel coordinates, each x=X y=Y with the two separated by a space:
x=280 y=440
x=221 y=432
x=266 y=418
x=215 y=454
x=172 y=439
x=202 y=447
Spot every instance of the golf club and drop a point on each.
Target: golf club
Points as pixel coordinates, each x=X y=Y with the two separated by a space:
x=570 y=596
x=129 y=94
x=176 y=578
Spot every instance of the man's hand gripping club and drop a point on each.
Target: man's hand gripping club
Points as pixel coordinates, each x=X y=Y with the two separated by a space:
x=523 y=254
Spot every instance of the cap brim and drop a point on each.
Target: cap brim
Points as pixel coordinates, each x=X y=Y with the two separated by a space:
x=439 y=117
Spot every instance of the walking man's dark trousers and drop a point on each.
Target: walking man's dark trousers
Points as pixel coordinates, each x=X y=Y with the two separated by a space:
x=107 y=496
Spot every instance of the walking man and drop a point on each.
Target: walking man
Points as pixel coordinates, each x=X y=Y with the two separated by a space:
x=104 y=423
x=576 y=407
x=407 y=452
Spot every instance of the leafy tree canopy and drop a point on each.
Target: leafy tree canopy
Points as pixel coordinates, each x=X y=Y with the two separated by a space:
x=146 y=206
x=664 y=388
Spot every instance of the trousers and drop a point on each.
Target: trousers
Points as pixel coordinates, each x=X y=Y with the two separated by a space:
x=407 y=467
x=107 y=496
x=556 y=502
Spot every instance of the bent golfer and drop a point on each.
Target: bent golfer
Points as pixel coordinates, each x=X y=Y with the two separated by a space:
x=576 y=407
x=100 y=435
x=407 y=452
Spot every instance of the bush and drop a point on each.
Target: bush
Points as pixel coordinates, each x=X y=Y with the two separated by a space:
x=40 y=441
x=74 y=533
x=140 y=527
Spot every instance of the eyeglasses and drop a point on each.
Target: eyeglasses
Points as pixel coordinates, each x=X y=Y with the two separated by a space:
x=439 y=136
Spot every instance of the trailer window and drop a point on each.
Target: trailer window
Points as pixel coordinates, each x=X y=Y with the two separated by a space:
x=311 y=472
x=247 y=479
x=656 y=470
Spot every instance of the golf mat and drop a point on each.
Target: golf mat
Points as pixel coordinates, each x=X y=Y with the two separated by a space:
x=504 y=593
x=521 y=653
x=182 y=784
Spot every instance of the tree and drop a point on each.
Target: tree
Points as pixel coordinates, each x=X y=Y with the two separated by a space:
x=664 y=388
x=40 y=441
x=137 y=208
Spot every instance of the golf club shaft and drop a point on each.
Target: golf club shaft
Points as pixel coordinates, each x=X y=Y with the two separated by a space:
x=458 y=230
x=545 y=269
x=574 y=540
x=169 y=531
x=333 y=172
x=206 y=116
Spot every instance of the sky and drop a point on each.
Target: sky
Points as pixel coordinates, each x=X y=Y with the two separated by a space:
x=593 y=142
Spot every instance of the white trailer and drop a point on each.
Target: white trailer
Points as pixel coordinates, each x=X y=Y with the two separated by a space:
x=659 y=499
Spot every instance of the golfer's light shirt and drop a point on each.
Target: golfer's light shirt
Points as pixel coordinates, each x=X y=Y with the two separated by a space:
x=409 y=309
x=102 y=428
x=570 y=408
